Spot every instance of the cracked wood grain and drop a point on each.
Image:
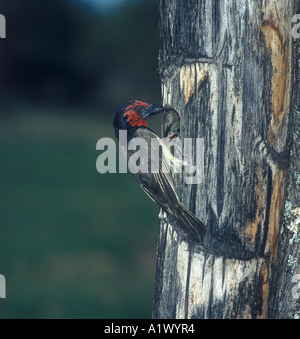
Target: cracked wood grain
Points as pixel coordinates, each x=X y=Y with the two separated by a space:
x=227 y=68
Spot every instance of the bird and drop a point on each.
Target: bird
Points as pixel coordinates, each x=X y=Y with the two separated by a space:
x=158 y=184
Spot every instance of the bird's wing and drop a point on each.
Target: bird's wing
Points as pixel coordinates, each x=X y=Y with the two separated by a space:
x=158 y=184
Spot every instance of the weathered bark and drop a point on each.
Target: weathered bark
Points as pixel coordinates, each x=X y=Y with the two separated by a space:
x=229 y=69
x=286 y=305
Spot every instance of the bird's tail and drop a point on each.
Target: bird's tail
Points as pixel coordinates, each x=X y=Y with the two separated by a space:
x=190 y=223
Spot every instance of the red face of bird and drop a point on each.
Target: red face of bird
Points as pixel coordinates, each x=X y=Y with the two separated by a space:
x=137 y=112
x=134 y=114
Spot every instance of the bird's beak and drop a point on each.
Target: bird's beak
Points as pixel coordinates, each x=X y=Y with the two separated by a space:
x=151 y=110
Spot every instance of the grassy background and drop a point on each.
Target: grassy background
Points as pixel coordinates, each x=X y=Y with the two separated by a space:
x=74 y=243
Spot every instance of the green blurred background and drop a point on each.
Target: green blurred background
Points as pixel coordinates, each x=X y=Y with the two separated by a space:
x=73 y=243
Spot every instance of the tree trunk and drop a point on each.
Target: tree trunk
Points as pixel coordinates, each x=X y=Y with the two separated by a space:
x=230 y=69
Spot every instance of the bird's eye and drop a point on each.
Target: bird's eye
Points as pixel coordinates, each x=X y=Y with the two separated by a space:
x=138 y=109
